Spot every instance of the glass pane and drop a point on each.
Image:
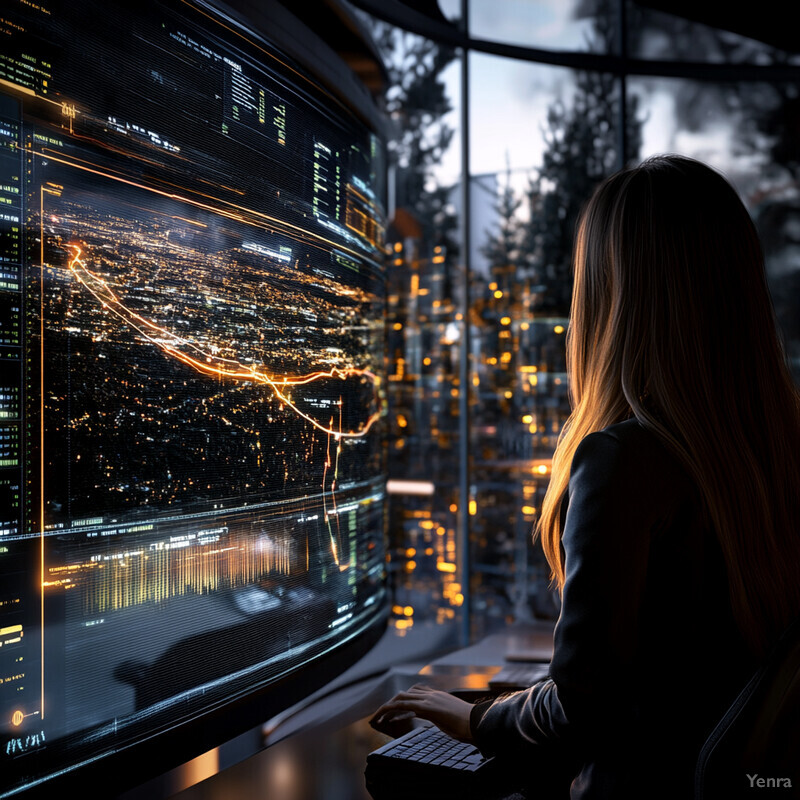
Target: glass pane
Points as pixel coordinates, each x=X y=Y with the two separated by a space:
x=749 y=132
x=541 y=138
x=451 y=9
x=570 y=25
x=656 y=35
x=424 y=332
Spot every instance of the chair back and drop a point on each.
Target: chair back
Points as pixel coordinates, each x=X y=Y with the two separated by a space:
x=756 y=744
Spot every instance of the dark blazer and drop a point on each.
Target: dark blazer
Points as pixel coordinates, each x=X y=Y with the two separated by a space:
x=647 y=656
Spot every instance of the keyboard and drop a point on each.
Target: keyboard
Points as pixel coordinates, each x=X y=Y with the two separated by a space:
x=427 y=763
x=429 y=745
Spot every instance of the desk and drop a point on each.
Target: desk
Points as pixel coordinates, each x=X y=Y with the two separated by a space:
x=319 y=752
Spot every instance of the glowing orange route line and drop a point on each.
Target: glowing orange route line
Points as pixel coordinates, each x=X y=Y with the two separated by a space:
x=210 y=364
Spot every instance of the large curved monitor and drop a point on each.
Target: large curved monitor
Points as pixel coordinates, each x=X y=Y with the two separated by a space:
x=191 y=308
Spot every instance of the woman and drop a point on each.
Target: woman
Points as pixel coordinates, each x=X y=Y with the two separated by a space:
x=671 y=522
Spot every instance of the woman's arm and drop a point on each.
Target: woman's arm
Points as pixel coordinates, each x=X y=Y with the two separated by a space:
x=606 y=541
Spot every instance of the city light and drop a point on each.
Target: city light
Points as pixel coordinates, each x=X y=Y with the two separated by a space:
x=208 y=362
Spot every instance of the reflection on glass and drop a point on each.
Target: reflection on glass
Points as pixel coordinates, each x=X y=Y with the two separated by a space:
x=746 y=131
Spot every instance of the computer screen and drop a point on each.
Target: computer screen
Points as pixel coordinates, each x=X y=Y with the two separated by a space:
x=192 y=468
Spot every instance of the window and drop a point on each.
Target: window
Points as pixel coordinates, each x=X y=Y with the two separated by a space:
x=531 y=109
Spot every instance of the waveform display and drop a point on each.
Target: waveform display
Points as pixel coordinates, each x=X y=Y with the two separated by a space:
x=169 y=569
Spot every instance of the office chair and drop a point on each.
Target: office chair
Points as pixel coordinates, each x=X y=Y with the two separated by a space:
x=754 y=750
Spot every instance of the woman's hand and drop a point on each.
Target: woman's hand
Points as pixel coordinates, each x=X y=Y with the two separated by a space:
x=450 y=714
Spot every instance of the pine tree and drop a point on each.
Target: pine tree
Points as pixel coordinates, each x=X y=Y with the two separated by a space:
x=582 y=149
x=502 y=244
x=417 y=104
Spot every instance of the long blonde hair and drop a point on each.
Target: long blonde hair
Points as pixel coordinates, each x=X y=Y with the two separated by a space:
x=672 y=322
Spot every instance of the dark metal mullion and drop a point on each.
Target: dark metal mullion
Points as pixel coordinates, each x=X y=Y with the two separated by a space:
x=464 y=355
x=397 y=14
x=622 y=42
